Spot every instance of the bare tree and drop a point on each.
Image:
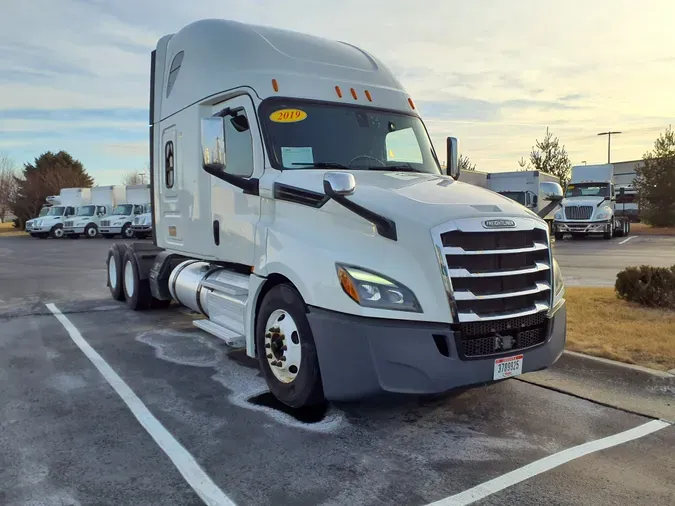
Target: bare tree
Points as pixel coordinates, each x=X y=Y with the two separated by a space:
x=465 y=164
x=8 y=185
x=134 y=177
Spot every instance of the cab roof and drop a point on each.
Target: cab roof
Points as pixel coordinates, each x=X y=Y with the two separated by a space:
x=212 y=56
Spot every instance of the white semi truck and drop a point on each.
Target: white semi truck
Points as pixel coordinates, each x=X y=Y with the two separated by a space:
x=589 y=206
x=298 y=203
x=120 y=221
x=87 y=219
x=52 y=223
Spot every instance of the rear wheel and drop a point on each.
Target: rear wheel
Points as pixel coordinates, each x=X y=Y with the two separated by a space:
x=286 y=349
x=136 y=290
x=114 y=270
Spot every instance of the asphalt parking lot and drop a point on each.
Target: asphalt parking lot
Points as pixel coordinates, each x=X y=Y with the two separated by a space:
x=593 y=261
x=102 y=405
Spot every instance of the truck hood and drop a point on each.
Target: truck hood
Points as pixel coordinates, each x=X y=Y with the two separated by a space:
x=427 y=199
x=584 y=201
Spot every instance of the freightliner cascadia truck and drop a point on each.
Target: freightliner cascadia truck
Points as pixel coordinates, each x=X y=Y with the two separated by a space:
x=299 y=204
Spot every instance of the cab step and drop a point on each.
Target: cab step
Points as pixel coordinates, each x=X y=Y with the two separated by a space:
x=231 y=338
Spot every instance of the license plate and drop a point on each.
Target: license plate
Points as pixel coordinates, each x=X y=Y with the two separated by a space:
x=508 y=367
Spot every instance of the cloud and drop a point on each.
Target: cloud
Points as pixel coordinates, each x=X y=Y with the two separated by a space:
x=494 y=72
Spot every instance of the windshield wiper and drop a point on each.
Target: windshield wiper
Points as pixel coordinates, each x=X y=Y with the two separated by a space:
x=322 y=165
x=395 y=168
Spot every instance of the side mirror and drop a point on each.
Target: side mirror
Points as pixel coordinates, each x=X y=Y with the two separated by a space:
x=213 y=143
x=338 y=183
x=452 y=157
x=552 y=191
x=535 y=200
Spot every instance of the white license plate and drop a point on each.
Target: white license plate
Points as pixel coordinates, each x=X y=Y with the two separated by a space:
x=508 y=367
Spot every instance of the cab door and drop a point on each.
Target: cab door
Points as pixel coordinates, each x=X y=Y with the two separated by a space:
x=234 y=212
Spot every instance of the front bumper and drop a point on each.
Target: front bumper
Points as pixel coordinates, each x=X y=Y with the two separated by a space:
x=44 y=229
x=571 y=227
x=360 y=357
x=141 y=228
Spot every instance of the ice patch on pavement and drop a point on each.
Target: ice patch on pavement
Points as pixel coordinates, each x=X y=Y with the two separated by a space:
x=64 y=382
x=197 y=349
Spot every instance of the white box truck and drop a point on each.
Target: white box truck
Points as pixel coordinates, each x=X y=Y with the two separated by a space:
x=298 y=203
x=120 y=221
x=52 y=223
x=50 y=201
x=142 y=225
x=589 y=206
x=475 y=177
x=87 y=219
x=523 y=186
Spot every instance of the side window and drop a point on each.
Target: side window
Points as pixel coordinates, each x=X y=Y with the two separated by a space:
x=238 y=145
x=402 y=146
x=70 y=211
x=138 y=209
x=173 y=71
x=168 y=164
x=100 y=210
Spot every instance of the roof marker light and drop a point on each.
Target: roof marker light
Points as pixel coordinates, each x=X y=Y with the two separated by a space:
x=275 y=85
x=411 y=103
x=338 y=91
x=354 y=93
x=370 y=99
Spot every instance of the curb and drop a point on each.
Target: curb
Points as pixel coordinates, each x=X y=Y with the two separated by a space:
x=622 y=365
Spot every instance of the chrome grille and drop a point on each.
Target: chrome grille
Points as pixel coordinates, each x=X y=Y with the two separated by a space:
x=105 y=223
x=578 y=212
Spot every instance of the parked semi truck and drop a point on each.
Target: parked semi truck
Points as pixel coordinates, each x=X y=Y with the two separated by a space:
x=589 y=206
x=123 y=214
x=299 y=204
x=87 y=219
x=52 y=223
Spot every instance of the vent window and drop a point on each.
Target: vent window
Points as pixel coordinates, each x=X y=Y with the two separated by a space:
x=173 y=71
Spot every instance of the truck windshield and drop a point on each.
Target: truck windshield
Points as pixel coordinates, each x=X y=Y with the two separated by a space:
x=43 y=211
x=306 y=134
x=123 y=210
x=517 y=196
x=86 y=211
x=56 y=211
x=587 y=190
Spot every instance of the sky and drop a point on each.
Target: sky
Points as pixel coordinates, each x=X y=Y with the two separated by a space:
x=74 y=74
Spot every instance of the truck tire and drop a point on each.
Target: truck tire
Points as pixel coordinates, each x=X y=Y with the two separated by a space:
x=610 y=234
x=285 y=342
x=558 y=236
x=127 y=232
x=91 y=231
x=56 y=232
x=114 y=270
x=136 y=290
x=627 y=228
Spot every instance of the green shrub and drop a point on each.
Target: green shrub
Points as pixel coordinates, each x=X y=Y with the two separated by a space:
x=648 y=286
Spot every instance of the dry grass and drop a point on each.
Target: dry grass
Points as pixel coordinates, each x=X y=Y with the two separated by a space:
x=8 y=230
x=600 y=324
x=644 y=229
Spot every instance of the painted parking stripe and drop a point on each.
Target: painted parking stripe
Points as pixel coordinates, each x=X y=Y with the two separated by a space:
x=628 y=239
x=181 y=458
x=547 y=463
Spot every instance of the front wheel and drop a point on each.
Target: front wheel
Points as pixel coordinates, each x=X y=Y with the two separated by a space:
x=558 y=236
x=286 y=349
x=56 y=232
x=91 y=231
x=127 y=232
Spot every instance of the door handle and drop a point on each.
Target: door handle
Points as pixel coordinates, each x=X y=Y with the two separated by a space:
x=216 y=232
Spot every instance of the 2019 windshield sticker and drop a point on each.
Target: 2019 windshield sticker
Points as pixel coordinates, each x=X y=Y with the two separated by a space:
x=288 y=116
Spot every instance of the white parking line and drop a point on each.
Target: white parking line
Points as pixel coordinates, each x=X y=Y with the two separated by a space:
x=547 y=463
x=181 y=458
x=628 y=239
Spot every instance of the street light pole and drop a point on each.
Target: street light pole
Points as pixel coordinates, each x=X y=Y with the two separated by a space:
x=609 y=143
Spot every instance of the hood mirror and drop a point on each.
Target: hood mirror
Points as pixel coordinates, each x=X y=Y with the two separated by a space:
x=338 y=183
x=551 y=191
x=452 y=157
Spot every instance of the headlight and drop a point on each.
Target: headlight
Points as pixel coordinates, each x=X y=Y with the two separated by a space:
x=558 y=216
x=558 y=283
x=603 y=213
x=369 y=289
